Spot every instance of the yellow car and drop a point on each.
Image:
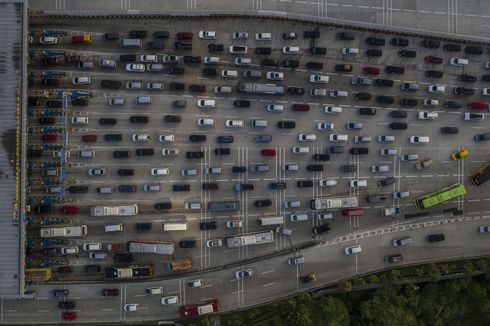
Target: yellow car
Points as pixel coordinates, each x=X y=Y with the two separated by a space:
x=459 y=154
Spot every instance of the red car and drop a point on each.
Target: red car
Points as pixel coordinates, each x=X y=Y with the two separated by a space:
x=301 y=107
x=70 y=315
x=353 y=212
x=268 y=152
x=476 y=105
x=184 y=36
x=371 y=70
x=432 y=59
x=70 y=209
x=65 y=269
x=89 y=138
x=210 y=186
x=50 y=137
x=51 y=61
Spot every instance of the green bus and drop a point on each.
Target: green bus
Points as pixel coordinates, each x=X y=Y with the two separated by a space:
x=440 y=196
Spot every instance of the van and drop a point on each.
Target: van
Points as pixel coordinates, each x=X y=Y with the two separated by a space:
x=202 y=103
x=29 y=295
x=458 y=62
x=174 y=226
x=270 y=220
x=86 y=154
x=298 y=217
x=131 y=43
x=143 y=100
x=223 y=89
x=155 y=290
x=104 y=190
x=259 y=123
x=229 y=73
x=113 y=227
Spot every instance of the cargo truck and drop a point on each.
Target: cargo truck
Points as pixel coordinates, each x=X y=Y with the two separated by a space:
x=64 y=232
x=129 y=210
x=178 y=265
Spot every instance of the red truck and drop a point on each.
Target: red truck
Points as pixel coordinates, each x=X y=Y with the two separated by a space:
x=192 y=310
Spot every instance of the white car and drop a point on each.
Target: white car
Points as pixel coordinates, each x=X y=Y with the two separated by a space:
x=290 y=49
x=238 y=49
x=211 y=60
x=208 y=35
x=203 y=103
x=301 y=150
x=325 y=126
x=141 y=137
x=240 y=35
x=173 y=299
x=154 y=86
x=195 y=283
x=79 y=120
x=431 y=103
x=149 y=58
x=290 y=167
x=131 y=307
x=380 y=168
x=170 y=151
x=171 y=58
x=229 y=73
x=89 y=246
x=263 y=36
x=214 y=243
x=473 y=116
x=243 y=61
x=166 y=138
x=458 y=62
x=436 y=89
x=319 y=79
x=318 y=92
x=337 y=138
x=234 y=123
x=350 y=50
x=401 y=194
x=205 y=122
x=96 y=172
x=327 y=182
x=154 y=67
x=48 y=40
x=306 y=137
x=362 y=139
x=426 y=115
x=135 y=67
x=213 y=170
x=353 y=250
x=69 y=250
x=419 y=139
x=83 y=80
x=159 y=171
x=358 y=183
x=274 y=75
x=333 y=109
x=274 y=108
x=385 y=139
x=97 y=255
x=244 y=273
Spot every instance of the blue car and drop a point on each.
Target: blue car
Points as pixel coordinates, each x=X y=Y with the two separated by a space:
x=127 y=188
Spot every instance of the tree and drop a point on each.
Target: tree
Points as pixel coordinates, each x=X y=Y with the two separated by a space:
x=433 y=272
x=358 y=281
x=346 y=285
x=300 y=316
x=481 y=264
x=444 y=268
x=468 y=267
x=204 y=321
x=373 y=279
x=331 y=311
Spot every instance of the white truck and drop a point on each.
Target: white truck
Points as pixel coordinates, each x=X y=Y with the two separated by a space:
x=390 y=211
x=329 y=203
x=129 y=210
x=64 y=232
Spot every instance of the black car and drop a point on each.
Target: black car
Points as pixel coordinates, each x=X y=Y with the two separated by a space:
x=110 y=84
x=177 y=86
x=398 y=114
x=409 y=102
x=137 y=34
x=123 y=257
x=383 y=82
x=244 y=186
x=362 y=96
x=179 y=104
x=113 y=137
x=321 y=157
x=78 y=189
x=394 y=70
x=304 y=183
x=127 y=57
x=110 y=292
x=155 y=45
x=367 y=111
x=164 y=206
x=383 y=99
x=197 y=88
x=161 y=34
x=34 y=153
x=180 y=45
x=33 y=101
x=241 y=103
x=374 y=53
x=430 y=44
x=482 y=137
x=107 y=121
x=485 y=78
x=208 y=226
x=239 y=169
x=51 y=82
x=47 y=120
x=399 y=41
x=121 y=154
x=92 y=269
x=472 y=49
x=269 y=62
x=314 y=65
x=66 y=304
x=318 y=50
x=113 y=36
x=453 y=104
x=312 y=33
x=44 y=208
x=296 y=90
x=286 y=124
x=143 y=226
x=181 y=187
x=222 y=151
x=125 y=172
x=197 y=138
x=79 y=102
x=216 y=47
x=51 y=251
x=398 y=126
x=224 y=139
x=194 y=154
x=187 y=243
x=145 y=152
x=407 y=53
x=175 y=70
x=54 y=104
x=393 y=259
x=278 y=185
x=336 y=149
x=464 y=91
x=263 y=203
x=467 y=78
x=172 y=118
x=434 y=74
x=290 y=64
x=435 y=237
x=375 y=198
x=263 y=50
x=375 y=41
x=449 y=130
x=192 y=59
x=320 y=229
x=386 y=182
x=139 y=119
x=359 y=151
x=346 y=36
x=452 y=47
x=314 y=167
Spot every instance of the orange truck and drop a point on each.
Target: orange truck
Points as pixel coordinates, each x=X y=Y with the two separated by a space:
x=178 y=265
